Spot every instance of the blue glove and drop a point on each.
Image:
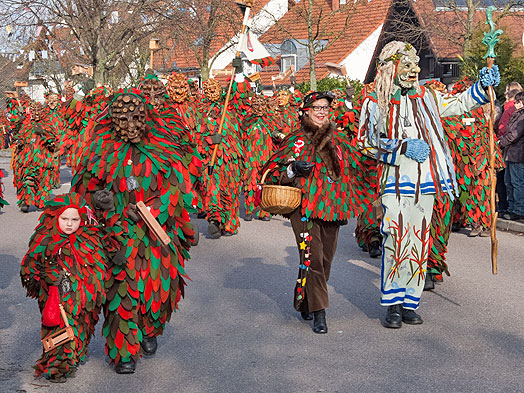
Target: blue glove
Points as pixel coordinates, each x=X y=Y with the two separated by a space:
x=416 y=149
x=489 y=76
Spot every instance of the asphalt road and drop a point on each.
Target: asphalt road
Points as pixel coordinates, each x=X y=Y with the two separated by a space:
x=236 y=330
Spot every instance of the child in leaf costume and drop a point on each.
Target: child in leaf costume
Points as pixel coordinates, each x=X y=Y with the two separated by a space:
x=65 y=265
x=321 y=161
x=131 y=160
x=34 y=164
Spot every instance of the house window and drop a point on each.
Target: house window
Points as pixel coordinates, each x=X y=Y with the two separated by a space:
x=288 y=49
x=447 y=69
x=431 y=66
x=288 y=61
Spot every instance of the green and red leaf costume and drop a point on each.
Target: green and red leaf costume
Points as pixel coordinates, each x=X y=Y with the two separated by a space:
x=146 y=283
x=79 y=258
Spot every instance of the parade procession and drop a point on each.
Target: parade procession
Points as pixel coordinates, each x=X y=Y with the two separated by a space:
x=261 y=195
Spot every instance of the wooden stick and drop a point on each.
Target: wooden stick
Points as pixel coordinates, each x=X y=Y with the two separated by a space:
x=492 y=174
x=152 y=223
x=211 y=165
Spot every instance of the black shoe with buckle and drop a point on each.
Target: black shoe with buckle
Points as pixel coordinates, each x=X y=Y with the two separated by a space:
x=126 y=367
x=319 y=322
x=411 y=317
x=393 y=319
x=149 y=345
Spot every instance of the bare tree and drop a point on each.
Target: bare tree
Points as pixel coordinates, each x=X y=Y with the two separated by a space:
x=324 y=26
x=453 y=21
x=201 y=30
x=100 y=33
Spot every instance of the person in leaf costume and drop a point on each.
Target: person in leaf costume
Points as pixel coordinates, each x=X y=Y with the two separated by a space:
x=16 y=111
x=132 y=159
x=65 y=264
x=400 y=125
x=81 y=113
x=258 y=148
x=224 y=183
x=286 y=112
x=181 y=104
x=34 y=164
x=58 y=126
x=321 y=161
x=346 y=115
x=3 y=202
x=182 y=135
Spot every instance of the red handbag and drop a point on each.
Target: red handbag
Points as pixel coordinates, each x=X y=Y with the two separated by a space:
x=51 y=312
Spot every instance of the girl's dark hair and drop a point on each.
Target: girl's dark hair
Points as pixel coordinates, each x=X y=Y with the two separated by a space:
x=520 y=97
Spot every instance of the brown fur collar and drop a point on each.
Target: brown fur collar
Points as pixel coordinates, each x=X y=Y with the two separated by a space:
x=322 y=140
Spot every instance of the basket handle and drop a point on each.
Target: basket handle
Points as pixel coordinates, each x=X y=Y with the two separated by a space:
x=264 y=176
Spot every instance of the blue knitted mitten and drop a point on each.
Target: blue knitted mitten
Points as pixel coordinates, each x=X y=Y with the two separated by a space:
x=416 y=149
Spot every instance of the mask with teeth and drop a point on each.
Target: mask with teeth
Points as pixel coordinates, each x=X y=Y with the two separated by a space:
x=407 y=70
x=52 y=101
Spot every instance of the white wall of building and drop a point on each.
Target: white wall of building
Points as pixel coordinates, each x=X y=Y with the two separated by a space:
x=357 y=62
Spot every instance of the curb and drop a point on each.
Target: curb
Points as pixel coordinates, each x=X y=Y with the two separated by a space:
x=510 y=226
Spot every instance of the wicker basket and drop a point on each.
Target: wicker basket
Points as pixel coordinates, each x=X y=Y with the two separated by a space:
x=279 y=199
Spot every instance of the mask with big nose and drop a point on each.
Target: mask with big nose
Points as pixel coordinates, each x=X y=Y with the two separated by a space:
x=407 y=70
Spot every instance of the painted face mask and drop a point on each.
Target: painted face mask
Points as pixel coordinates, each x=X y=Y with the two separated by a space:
x=177 y=87
x=408 y=70
x=212 y=90
x=37 y=110
x=52 y=101
x=283 y=97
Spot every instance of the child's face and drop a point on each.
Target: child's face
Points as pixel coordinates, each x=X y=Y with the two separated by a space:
x=69 y=220
x=518 y=105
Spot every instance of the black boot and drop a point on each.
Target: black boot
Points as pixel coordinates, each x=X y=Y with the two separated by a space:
x=24 y=208
x=429 y=284
x=319 y=322
x=248 y=217
x=411 y=317
x=126 y=367
x=149 y=345
x=306 y=316
x=374 y=250
x=213 y=230
x=393 y=319
x=202 y=214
